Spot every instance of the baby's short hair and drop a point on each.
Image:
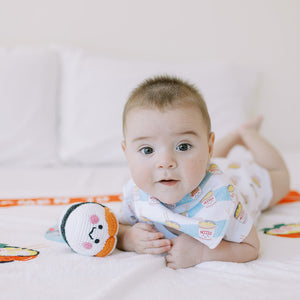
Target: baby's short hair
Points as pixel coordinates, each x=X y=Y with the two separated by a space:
x=163 y=93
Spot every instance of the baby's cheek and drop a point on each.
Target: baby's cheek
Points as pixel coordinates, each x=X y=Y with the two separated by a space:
x=195 y=172
x=143 y=179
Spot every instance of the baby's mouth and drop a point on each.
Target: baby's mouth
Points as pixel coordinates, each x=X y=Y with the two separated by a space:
x=168 y=182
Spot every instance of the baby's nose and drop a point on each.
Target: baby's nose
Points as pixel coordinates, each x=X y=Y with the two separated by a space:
x=166 y=162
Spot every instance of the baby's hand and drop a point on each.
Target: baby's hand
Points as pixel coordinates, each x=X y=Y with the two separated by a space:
x=144 y=239
x=186 y=252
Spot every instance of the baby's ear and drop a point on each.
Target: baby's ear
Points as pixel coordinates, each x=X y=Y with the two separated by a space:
x=211 y=142
x=123 y=145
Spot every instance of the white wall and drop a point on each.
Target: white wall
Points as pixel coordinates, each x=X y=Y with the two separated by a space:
x=264 y=34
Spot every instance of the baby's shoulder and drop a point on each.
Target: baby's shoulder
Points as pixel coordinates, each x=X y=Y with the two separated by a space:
x=216 y=183
x=215 y=177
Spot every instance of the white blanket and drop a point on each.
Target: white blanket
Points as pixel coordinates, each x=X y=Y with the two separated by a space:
x=59 y=273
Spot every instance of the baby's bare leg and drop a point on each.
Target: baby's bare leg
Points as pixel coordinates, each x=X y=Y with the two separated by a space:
x=263 y=152
x=224 y=145
x=268 y=157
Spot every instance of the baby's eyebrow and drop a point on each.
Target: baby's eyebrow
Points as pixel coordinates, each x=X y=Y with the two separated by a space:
x=188 y=132
x=140 y=138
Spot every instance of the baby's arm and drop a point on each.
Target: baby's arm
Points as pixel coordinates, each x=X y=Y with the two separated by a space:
x=187 y=251
x=142 y=238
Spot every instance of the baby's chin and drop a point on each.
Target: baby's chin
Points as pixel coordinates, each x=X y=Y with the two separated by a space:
x=168 y=199
x=168 y=195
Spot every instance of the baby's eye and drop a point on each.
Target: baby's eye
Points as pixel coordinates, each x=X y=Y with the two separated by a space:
x=147 y=150
x=183 y=147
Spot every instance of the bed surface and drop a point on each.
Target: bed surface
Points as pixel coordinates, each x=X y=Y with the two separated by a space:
x=63 y=85
x=59 y=273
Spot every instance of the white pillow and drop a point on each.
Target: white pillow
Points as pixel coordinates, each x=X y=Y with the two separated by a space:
x=96 y=88
x=94 y=91
x=28 y=91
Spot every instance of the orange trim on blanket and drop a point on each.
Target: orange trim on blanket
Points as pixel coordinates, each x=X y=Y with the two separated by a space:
x=60 y=200
x=292 y=196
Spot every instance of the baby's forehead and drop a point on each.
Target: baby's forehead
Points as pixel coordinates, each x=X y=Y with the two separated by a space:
x=181 y=119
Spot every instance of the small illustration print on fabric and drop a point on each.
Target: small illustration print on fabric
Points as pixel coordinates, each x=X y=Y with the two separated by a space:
x=12 y=253
x=53 y=234
x=284 y=230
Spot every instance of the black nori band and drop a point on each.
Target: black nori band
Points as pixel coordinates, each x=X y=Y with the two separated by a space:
x=64 y=220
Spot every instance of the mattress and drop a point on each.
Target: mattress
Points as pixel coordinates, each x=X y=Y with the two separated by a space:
x=58 y=273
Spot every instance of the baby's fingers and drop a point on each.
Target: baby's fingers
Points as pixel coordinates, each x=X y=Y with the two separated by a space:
x=153 y=236
x=145 y=227
x=157 y=246
x=148 y=232
x=170 y=262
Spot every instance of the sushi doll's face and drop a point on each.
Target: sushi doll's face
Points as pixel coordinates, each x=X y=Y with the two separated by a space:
x=87 y=229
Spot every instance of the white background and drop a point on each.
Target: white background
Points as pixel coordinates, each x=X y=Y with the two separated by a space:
x=262 y=34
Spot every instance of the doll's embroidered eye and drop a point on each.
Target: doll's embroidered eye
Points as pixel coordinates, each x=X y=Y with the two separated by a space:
x=183 y=147
x=100 y=226
x=97 y=241
x=147 y=150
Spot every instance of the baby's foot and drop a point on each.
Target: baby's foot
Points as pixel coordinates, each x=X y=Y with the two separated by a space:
x=253 y=125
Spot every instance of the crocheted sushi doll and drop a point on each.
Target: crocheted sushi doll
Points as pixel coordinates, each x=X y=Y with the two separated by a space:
x=89 y=229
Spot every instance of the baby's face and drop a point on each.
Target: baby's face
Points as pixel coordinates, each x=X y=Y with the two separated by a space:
x=167 y=152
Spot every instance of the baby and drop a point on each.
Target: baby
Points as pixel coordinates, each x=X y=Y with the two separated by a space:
x=181 y=201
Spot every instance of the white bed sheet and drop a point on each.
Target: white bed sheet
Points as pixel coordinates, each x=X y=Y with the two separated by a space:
x=58 y=273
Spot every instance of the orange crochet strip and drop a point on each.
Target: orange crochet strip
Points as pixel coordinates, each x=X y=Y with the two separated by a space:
x=292 y=196
x=59 y=200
